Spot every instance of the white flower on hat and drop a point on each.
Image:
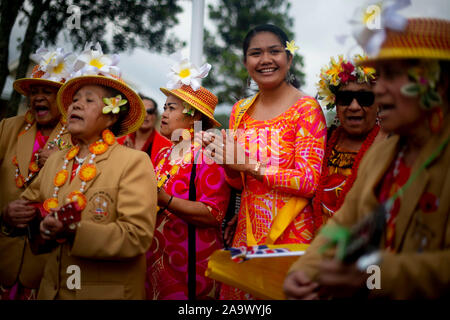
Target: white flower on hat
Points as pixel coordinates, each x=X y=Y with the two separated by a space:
x=94 y=62
x=369 y=34
x=186 y=73
x=56 y=65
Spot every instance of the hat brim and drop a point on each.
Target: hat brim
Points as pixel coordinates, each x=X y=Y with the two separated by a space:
x=135 y=115
x=185 y=98
x=23 y=86
x=406 y=54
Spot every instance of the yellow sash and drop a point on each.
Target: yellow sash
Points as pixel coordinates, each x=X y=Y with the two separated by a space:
x=286 y=214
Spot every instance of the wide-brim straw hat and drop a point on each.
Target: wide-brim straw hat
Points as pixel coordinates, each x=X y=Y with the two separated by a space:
x=423 y=38
x=23 y=86
x=202 y=100
x=135 y=114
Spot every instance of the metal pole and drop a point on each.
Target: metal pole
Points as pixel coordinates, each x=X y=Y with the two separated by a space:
x=198 y=8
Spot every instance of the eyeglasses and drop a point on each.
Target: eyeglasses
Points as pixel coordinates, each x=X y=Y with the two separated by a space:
x=364 y=98
x=151 y=111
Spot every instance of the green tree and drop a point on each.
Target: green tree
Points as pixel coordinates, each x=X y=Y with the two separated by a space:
x=9 y=12
x=234 y=18
x=117 y=25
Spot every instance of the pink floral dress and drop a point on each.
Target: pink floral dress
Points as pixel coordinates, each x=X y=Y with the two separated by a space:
x=167 y=258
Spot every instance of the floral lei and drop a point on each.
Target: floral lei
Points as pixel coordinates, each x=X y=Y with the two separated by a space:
x=33 y=167
x=87 y=172
x=339 y=73
x=317 y=202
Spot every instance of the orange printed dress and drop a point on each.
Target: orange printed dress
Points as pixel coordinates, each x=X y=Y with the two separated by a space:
x=291 y=146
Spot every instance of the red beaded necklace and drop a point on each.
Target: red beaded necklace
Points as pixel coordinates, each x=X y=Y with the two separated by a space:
x=317 y=202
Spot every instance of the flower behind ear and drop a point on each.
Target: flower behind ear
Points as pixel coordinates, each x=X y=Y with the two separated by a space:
x=291 y=47
x=113 y=104
x=188 y=109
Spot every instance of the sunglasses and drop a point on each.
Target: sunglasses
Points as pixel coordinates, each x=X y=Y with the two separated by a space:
x=364 y=98
x=151 y=111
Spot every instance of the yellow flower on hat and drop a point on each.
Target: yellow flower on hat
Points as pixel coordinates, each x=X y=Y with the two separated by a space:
x=94 y=62
x=324 y=93
x=291 y=47
x=335 y=68
x=364 y=73
x=56 y=65
x=113 y=104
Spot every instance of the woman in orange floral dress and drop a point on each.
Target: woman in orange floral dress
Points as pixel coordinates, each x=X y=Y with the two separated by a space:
x=280 y=135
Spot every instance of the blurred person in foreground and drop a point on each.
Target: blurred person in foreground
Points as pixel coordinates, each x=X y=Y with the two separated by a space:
x=408 y=174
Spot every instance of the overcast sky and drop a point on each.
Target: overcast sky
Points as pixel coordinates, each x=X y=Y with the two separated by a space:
x=316 y=24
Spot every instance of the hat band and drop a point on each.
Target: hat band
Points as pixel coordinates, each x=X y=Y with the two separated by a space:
x=195 y=99
x=415 y=53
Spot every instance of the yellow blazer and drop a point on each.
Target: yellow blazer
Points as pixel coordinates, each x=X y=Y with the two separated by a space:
x=116 y=228
x=16 y=260
x=420 y=268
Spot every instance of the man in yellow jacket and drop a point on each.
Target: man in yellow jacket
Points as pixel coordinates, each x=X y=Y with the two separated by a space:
x=26 y=141
x=411 y=167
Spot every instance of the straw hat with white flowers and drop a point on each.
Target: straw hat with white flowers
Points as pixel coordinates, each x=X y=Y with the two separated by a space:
x=184 y=84
x=53 y=69
x=93 y=67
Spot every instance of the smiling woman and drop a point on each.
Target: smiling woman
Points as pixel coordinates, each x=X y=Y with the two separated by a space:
x=25 y=144
x=348 y=88
x=280 y=134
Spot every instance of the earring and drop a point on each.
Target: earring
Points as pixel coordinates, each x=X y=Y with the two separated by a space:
x=249 y=82
x=290 y=77
x=336 y=121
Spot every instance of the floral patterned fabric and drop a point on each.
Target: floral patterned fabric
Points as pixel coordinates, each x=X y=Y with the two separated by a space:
x=291 y=146
x=17 y=292
x=395 y=178
x=339 y=167
x=167 y=258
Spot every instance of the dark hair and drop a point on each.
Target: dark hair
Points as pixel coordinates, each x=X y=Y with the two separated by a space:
x=443 y=80
x=282 y=36
x=206 y=123
x=144 y=97
x=116 y=127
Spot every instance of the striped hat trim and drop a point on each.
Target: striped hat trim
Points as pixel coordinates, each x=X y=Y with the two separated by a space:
x=196 y=100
